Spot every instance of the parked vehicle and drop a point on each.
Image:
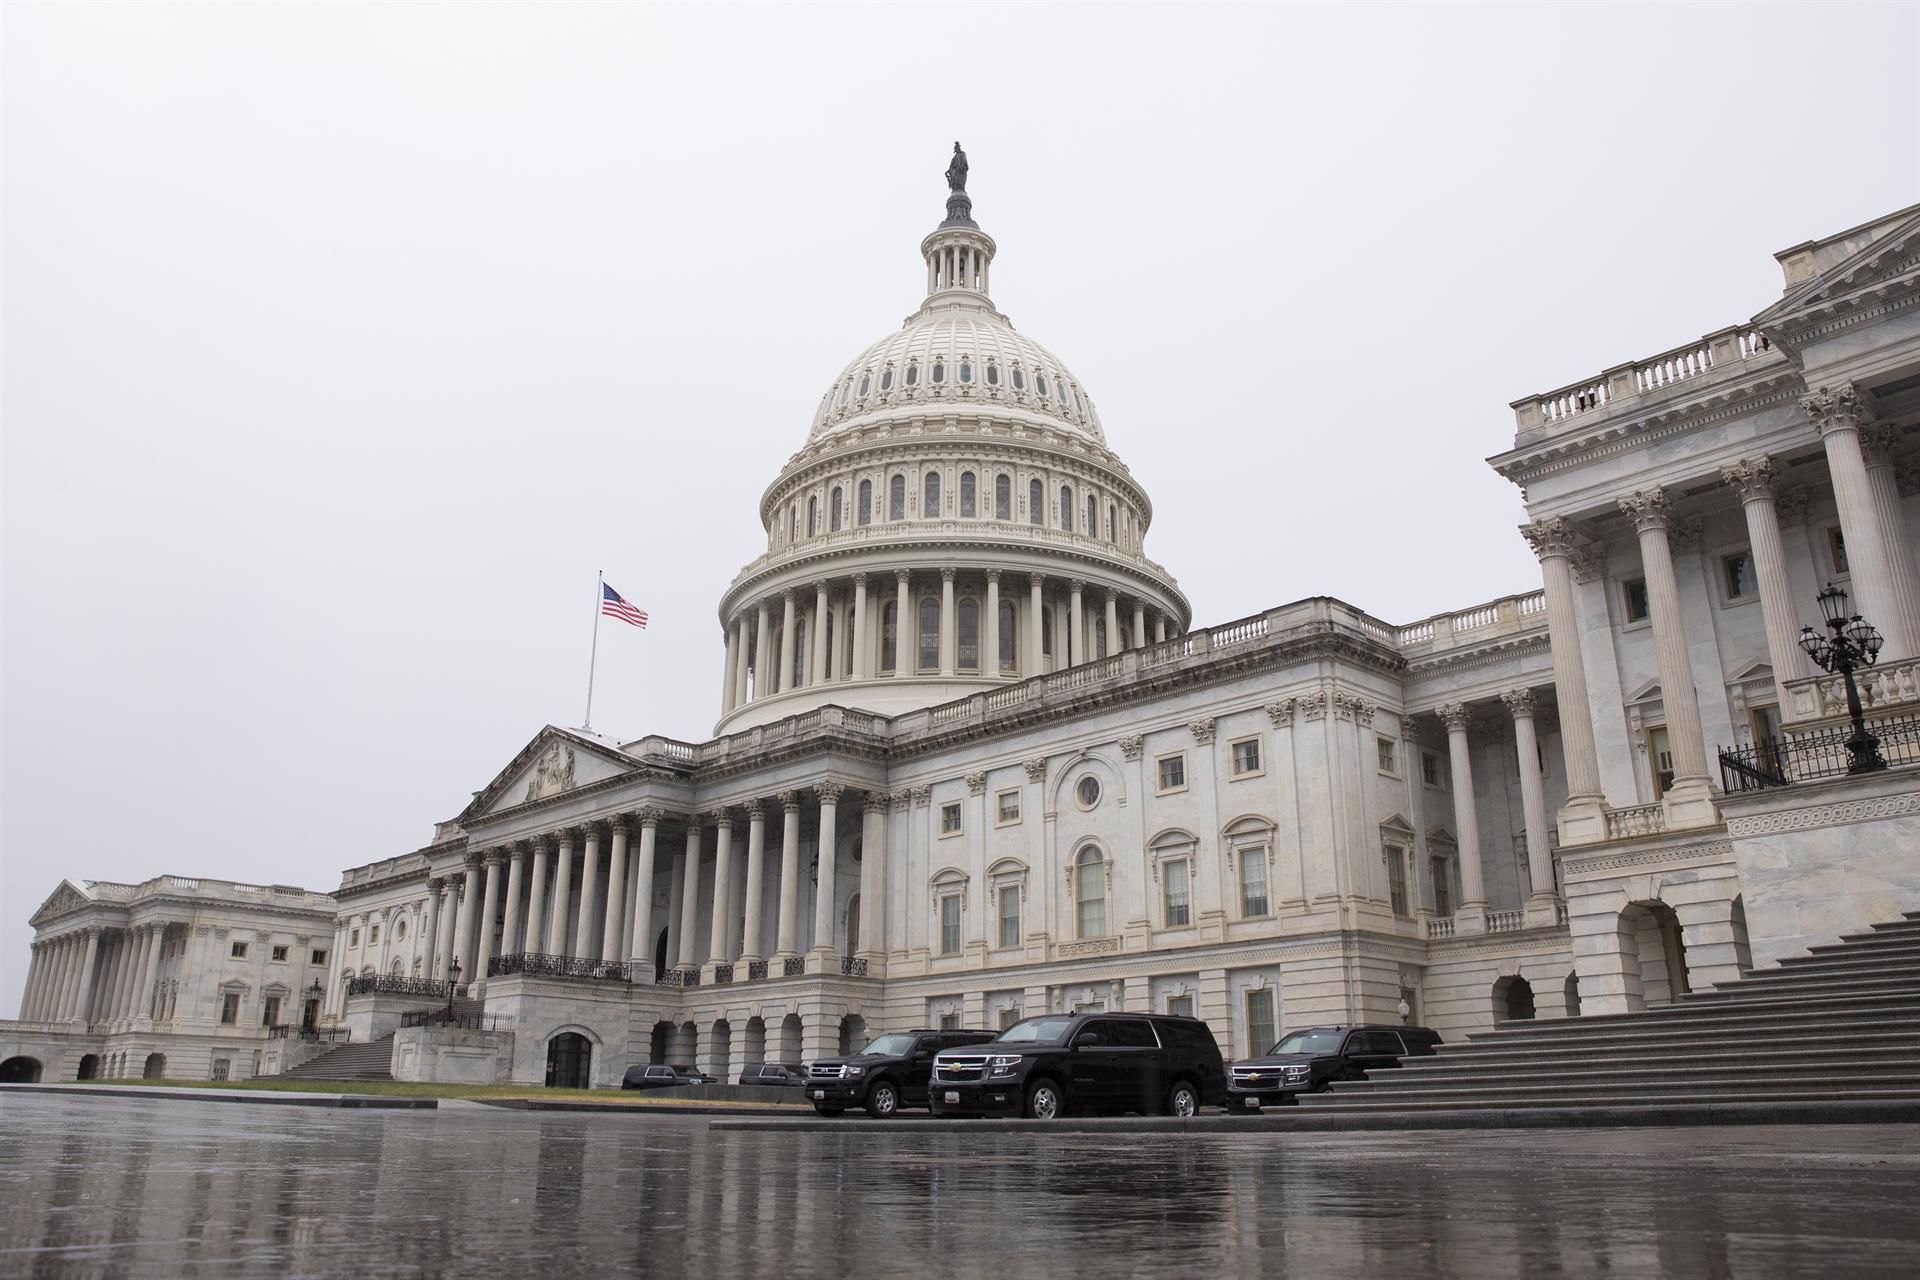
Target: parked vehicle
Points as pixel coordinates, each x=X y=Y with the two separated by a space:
x=1311 y=1059
x=1085 y=1063
x=890 y=1073
x=662 y=1077
x=779 y=1074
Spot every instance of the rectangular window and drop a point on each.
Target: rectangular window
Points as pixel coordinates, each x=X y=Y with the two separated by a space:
x=1260 y=1035
x=1008 y=807
x=238 y=951
x=279 y=955
x=1397 y=879
x=220 y=1069
x=1180 y=1006
x=950 y=925
x=1173 y=877
x=949 y=1021
x=270 y=1011
x=1385 y=757
x=1253 y=883
x=319 y=956
x=373 y=935
x=1442 y=886
x=1634 y=597
x=950 y=818
x=1837 y=549
x=1430 y=768
x=230 y=1008
x=1009 y=1016
x=1660 y=753
x=1173 y=772
x=353 y=938
x=1736 y=571
x=1009 y=895
x=1246 y=757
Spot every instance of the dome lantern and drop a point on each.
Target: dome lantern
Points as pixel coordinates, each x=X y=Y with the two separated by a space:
x=958 y=252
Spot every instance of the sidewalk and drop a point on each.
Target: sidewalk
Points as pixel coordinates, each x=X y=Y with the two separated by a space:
x=282 y=1096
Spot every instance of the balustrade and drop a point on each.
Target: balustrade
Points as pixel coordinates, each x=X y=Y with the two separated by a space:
x=1440 y=926
x=533 y=964
x=853 y=966
x=393 y=984
x=1636 y=820
x=1506 y=921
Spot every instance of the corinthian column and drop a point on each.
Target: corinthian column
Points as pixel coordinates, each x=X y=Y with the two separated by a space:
x=1839 y=414
x=817 y=636
x=1114 y=643
x=949 y=627
x=1876 y=447
x=727 y=669
x=1583 y=818
x=990 y=627
x=1754 y=480
x=906 y=658
x=690 y=895
x=611 y=943
x=536 y=942
x=430 y=926
x=1076 y=633
x=823 y=896
x=1689 y=801
x=1036 y=615
x=489 y=908
x=1472 y=915
x=756 y=881
x=463 y=926
x=513 y=939
x=1542 y=905
x=862 y=629
x=873 y=870
x=640 y=919
x=786 y=680
x=89 y=973
x=722 y=888
x=787 y=943
x=763 y=655
x=589 y=910
x=562 y=896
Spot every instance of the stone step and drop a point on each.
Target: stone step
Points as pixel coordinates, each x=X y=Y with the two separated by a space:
x=1901 y=1064
x=1862 y=1047
x=1640 y=1098
x=1893 y=1021
x=1890 y=962
x=1861 y=944
x=1899 y=952
x=1789 y=1006
x=1772 y=986
x=367 y=1060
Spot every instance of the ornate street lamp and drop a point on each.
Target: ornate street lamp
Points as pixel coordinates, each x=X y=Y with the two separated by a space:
x=1855 y=643
x=314 y=995
x=453 y=981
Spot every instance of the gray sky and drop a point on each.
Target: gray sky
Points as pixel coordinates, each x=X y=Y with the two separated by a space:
x=342 y=344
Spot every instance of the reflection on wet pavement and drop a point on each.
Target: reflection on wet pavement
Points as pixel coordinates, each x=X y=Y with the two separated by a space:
x=129 y=1187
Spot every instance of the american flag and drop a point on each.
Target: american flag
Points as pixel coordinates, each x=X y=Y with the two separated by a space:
x=615 y=605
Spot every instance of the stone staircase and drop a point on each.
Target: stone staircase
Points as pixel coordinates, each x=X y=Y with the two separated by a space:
x=370 y=1060
x=1839 y=1023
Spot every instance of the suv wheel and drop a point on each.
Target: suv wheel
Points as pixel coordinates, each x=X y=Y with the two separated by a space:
x=1044 y=1101
x=1182 y=1101
x=883 y=1100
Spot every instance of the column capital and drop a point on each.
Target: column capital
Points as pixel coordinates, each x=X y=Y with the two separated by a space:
x=1131 y=745
x=1036 y=769
x=947 y=573
x=1841 y=408
x=1588 y=561
x=756 y=809
x=993 y=575
x=1201 y=729
x=1455 y=716
x=901 y=576
x=790 y=801
x=648 y=815
x=829 y=792
x=787 y=595
x=496 y=857
x=564 y=838
x=920 y=796
x=860 y=578
x=819 y=586
x=472 y=859
x=722 y=817
x=1409 y=730
x=524 y=849
x=434 y=884
x=1754 y=479
x=1877 y=441
x=1683 y=535
x=976 y=783
x=620 y=824
x=1076 y=584
x=1648 y=510
x=1554 y=536
x=1280 y=713
x=1521 y=704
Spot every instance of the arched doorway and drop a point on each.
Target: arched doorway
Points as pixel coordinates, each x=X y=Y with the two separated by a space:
x=853 y=924
x=657 y=1043
x=853 y=1034
x=685 y=1050
x=753 y=1048
x=1655 y=952
x=789 y=1038
x=155 y=1068
x=1513 y=999
x=89 y=1067
x=569 y=1061
x=660 y=956
x=20 y=1071
x=1573 y=995
x=720 y=1051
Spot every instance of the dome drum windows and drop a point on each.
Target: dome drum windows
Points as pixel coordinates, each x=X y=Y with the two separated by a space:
x=929 y=634
x=1066 y=507
x=930 y=496
x=967 y=494
x=913 y=372
x=939 y=370
x=834 y=510
x=866 y=381
x=886 y=378
x=1002 y=498
x=897 y=498
x=967 y=614
x=1019 y=378
x=864 y=513
x=993 y=374
x=1036 y=503
x=966 y=369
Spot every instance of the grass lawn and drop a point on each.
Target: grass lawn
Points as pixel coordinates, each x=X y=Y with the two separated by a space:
x=424 y=1090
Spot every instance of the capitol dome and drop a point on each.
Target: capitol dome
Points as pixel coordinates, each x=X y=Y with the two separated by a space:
x=955 y=521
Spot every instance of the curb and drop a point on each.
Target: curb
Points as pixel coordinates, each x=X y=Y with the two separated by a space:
x=368 y=1101
x=619 y=1108
x=1838 y=1111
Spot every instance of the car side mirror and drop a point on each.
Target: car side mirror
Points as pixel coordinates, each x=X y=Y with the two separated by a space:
x=1088 y=1042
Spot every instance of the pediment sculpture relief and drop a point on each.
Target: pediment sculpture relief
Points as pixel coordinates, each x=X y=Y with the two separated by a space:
x=553 y=774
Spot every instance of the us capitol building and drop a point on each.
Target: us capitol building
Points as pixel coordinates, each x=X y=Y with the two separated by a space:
x=974 y=760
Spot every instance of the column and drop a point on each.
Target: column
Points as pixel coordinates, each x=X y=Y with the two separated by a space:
x=787 y=941
x=873 y=890
x=640 y=919
x=589 y=908
x=756 y=881
x=115 y=987
x=949 y=627
x=489 y=911
x=1472 y=916
x=785 y=680
x=430 y=926
x=1839 y=414
x=1755 y=481
x=535 y=942
x=1159 y=628
x=904 y=625
x=817 y=636
x=990 y=628
x=722 y=888
x=89 y=973
x=449 y=904
x=743 y=636
x=463 y=925
x=513 y=939
x=861 y=629
x=1139 y=625
x=1114 y=643
x=1583 y=819
x=824 y=893
x=562 y=896
x=1876 y=444
x=150 y=970
x=762 y=655
x=1542 y=903
x=611 y=941
x=35 y=968
x=1036 y=620
x=689 y=895
x=49 y=1005
x=1076 y=636
x=727 y=669
x=123 y=993
x=1689 y=801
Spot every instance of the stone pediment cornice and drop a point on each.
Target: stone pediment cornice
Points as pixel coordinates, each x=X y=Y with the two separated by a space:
x=1881 y=271
x=1491 y=653
x=478 y=810
x=65 y=899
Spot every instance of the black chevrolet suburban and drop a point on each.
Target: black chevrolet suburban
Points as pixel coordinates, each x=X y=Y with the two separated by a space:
x=888 y=1074
x=1048 y=1066
x=1310 y=1060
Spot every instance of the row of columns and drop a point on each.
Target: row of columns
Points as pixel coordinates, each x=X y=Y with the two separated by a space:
x=753 y=669
x=1523 y=709
x=69 y=980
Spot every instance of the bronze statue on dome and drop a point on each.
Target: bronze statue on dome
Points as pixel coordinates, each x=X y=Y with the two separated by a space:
x=957 y=171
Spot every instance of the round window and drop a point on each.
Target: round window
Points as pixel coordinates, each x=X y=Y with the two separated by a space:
x=1087 y=791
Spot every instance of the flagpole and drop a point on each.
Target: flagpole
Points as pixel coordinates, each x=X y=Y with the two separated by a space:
x=599 y=593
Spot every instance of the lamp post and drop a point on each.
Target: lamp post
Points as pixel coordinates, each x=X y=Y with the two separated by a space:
x=453 y=981
x=314 y=995
x=1855 y=643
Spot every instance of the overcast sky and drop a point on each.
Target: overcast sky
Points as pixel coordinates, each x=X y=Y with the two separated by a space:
x=343 y=344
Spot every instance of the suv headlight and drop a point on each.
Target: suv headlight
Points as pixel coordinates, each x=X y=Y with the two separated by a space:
x=1003 y=1064
x=850 y=1072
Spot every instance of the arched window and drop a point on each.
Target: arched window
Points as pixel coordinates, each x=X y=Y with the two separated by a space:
x=1040 y=382
x=833 y=511
x=889 y=635
x=966 y=494
x=1002 y=498
x=793 y=523
x=897 y=498
x=1090 y=893
x=967 y=614
x=1019 y=378
x=913 y=372
x=866 y=381
x=886 y=378
x=846 y=391
x=866 y=502
x=966 y=369
x=993 y=374
x=1007 y=650
x=1111 y=513
x=929 y=634
x=813 y=516
x=1066 y=507
x=930 y=496
x=799 y=673
x=1093 y=516
x=1036 y=503
x=939 y=370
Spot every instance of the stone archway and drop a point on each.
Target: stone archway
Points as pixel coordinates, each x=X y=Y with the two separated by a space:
x=719 y=1056
x=658 y=1043
x=853 y=1034
x=1513 y=1000
x=1572 y=993
x=155 y=1067
x=1655 y=953
x=569 y=1061
x=753 y=1043
x=789 y=1039
x=685 y=1049
x=20 y=1070
x=89 y=1067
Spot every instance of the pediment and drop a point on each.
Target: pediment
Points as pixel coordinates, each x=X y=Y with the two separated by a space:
x=67 y=897
x=555 y=762
x=1395 y=825
x=1647 y=694
x=1886 y=251
x=1439 y=835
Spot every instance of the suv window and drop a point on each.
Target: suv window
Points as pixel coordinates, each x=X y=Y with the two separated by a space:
x=1377 y=1044
x=1133 y=1033
x=1185 y=1035
x=659 y=1072
x=926 y=1044
x=1094 y=1031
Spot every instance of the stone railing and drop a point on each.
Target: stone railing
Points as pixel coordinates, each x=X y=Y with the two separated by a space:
x=1439 y=926
x=536 y=965
x=1824 y=697
x=394 y=984
x=1509 y=615
x=1506 y=921
x=1638 y=820
x=1650 y=378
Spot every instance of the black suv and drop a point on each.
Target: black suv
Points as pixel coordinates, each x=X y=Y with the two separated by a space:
x=1045 y=1067
x=1310 y=1060
x=888 y=1074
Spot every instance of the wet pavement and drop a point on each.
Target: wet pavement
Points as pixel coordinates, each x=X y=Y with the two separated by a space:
x=113 y=1187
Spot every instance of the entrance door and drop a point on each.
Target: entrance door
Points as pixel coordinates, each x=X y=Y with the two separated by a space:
x=569 y=1061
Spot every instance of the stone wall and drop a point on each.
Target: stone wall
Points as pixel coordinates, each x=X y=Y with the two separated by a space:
x=452 y=1055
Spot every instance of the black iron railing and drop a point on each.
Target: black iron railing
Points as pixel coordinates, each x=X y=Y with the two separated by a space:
x=1807 y=757
x=722 y=973
x=393 y=984
x=756 y=971
x=543 y=966
x=794 y=967
x=677 y=978
x=283 y=1031
x=853 y=966
x=465 y=1019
